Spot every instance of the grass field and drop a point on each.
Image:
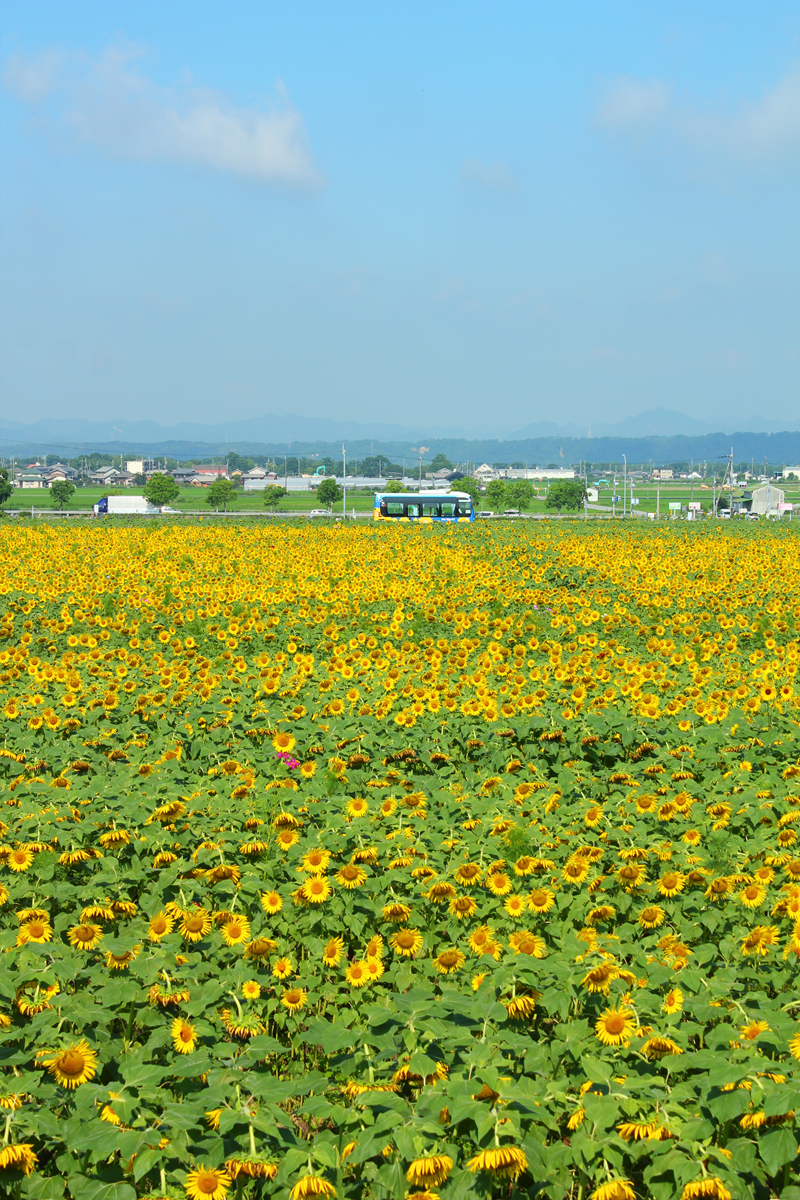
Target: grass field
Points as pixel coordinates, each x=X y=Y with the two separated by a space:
x=194 y=499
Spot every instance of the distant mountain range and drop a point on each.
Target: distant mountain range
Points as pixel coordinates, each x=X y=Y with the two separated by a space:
x=286 y=429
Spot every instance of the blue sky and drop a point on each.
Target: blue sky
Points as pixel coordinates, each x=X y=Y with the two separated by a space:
x=478 y=214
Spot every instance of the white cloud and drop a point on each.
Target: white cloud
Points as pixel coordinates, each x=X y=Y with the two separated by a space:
x=766 y=129
x=493 y=177
x=109 y=103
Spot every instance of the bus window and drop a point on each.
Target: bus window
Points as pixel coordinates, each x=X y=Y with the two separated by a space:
x=431 y=508
x=393 y=508
x=412 y=509
x=464 y=508
x=449 y=508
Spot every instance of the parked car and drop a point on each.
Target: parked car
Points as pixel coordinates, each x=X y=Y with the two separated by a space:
x=511 y=512
x=319 y=512
x=485 y=514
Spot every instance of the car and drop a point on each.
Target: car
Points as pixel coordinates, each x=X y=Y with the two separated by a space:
x=511 y=512
x=319 y=512
x=485 y=514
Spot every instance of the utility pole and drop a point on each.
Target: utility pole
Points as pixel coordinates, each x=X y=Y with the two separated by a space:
x=765 y=472
x=344 y=483
x=624 y=485
x=730 y=510
x=285 y=475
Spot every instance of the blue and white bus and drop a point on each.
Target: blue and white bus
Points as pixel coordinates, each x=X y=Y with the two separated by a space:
x=423 y=506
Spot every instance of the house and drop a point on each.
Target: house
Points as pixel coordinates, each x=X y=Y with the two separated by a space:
x=764 y=500
x=135 y=466
x=184 y=474
x=212 y=471
x=484 y=473
x=663 y=473
x=31 y=479
x=789 y=471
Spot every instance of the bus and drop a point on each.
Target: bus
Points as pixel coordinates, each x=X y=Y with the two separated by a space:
x=423 y=506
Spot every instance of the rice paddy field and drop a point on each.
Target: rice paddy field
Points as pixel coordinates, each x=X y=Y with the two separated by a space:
x=399 y=862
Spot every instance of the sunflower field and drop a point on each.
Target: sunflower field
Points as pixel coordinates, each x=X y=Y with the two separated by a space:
x=387 y=863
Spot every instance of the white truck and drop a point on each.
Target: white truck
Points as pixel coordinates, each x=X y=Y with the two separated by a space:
x=129 y=506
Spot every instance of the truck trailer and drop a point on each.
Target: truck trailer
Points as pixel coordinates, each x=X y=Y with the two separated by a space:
x=128 y=506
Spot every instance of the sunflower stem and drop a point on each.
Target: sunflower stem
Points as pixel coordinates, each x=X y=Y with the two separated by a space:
x=251 y=1131
x=7 y=1131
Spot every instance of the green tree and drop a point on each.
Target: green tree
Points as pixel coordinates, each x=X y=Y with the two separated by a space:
x=395 y=485
x=496 y=494
x=566 y=493
x=61 y=491
x=273 y=495
x=220 y=494
x=440 y=462
x=161 y=489
x=329 y=492
x=470 y=486
x=6 y=486
x=140 y=480
x=519 y=493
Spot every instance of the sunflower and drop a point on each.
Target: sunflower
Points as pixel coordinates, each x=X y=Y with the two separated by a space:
x=515 y=905
x=350 y=876
x=251 y=990
x=293 y=999
x=271 y=903
x=18 y=1156
x=710 y=1188
x=260 y=947
x=794 y=1046
x=673 y=1001
x=333 y=951
x=283 y=742
x=440 y=891
x=375 y=947
x=525 y=865
x=407 y=942
x=19 y=859
x=541 y=900
x=671 y=883
x=615 y=1026
x=599 y=978
x=282 y=968
x=462 y=906
x=207 y=1183
x=315 y=861
x=753 y=1031
x=759 y=940
x=235 y=931
x=29 y=1005
x=312 y=1185
x=287 y=838
x=575 y=871
x=119 y=962
x=357 y=974
x=448 y=961
x=615 y=1189
x=184 y=1036
x=37 y=929
x=85 y=937
x=753 y=896
x=251 y=1167
x=651 y=917
x=316 y=890
x=375 y=968
x=160 y=926
x=429 y=1172
x=357 y=807
x=525 y=942
x=658 y=1047
x=73 y=1066
x=195 y=924
x=599 y=916
x=501 y=1162
x=396 y=912
x=498 y=883
x=468 y=874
